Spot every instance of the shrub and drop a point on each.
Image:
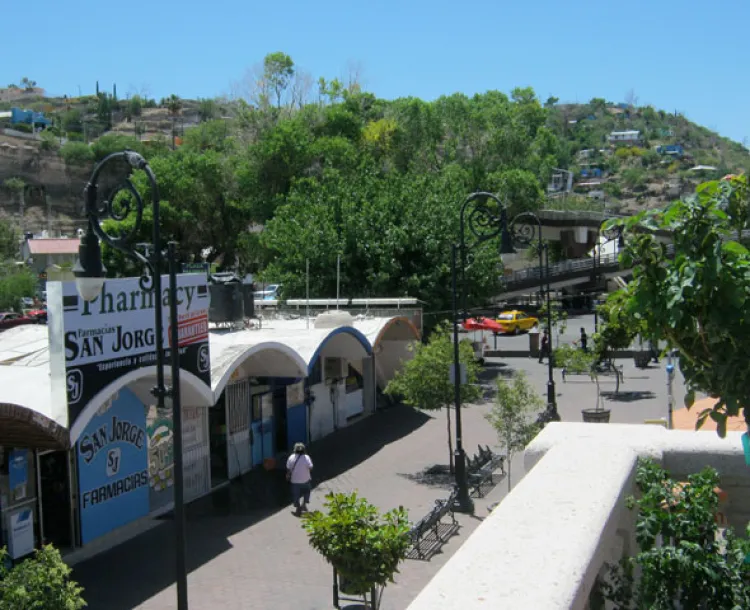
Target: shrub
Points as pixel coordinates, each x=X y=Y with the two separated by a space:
x=683 y=560
x=21 y=127
x=49 y=141
x=41 y=582
x=113 y=142
x=77 y=153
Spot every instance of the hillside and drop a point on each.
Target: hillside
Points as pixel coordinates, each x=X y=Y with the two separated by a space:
x=628 y=176
x=346 y=174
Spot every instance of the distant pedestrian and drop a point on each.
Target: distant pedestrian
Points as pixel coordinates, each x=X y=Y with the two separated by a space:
x=584 y=340
x=544 y=349
x=298 y=472
x=654 y=351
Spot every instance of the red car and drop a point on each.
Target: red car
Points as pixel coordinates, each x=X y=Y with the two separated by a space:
x=38 y=315
x=10 y=320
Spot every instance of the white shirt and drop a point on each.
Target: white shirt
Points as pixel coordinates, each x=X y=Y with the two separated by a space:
x=300 y=467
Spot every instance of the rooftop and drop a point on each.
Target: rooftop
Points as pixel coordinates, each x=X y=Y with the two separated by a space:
x=54 y=245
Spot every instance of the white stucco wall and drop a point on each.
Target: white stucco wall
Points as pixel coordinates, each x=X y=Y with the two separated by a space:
x=544 y=545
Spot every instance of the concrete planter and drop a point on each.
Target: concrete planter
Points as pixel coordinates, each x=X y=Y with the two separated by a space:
x=595 y=416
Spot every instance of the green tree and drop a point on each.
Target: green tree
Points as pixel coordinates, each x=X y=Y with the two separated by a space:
x=174 y=105
x=683 y=559
x=17 y=186
x=278 y=72
x=9 y=241
x=134 y=107
x=41 y=582
x=364 y=546
x=15 y=283
x=424 y=381
x=207 y=110
x=512 y=415
x=519 y=188
x=697 y=297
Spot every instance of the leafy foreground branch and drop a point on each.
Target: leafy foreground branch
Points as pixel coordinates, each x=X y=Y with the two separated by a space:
x=363 y=546
x=684 y=559
x=41 y=582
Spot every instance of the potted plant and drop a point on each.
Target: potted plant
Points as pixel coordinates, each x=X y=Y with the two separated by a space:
x=585 y=362
x=363 y=546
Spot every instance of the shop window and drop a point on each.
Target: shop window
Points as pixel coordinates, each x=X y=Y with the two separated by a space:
x=354 y=380
x=257 y=412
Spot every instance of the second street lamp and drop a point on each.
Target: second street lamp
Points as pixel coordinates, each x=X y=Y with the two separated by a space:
x=116 y=204
x=486 y=218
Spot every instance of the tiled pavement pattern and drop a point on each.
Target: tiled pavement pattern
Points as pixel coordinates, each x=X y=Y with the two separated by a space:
x=246 y=550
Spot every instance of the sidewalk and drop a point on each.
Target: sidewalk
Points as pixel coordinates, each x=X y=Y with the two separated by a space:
x=246 y=549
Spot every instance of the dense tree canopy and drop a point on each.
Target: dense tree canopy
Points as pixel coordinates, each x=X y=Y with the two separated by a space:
x=378 y=182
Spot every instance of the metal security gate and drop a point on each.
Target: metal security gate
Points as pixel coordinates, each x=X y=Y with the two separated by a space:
x=238 y=423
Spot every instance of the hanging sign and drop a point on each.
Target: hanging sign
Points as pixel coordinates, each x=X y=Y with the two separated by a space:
x=104 y=339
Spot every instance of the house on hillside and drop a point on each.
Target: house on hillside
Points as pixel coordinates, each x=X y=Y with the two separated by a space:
x=625 y=138
x=672 y=150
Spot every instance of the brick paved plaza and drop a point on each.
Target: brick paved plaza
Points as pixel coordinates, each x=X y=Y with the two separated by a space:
x=246 y=549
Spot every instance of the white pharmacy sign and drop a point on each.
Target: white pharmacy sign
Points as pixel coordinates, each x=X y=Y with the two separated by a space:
x=106 y=338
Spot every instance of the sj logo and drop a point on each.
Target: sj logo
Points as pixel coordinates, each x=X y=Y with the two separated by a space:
x=74 y=382
x=203 y=359
x=113 y=462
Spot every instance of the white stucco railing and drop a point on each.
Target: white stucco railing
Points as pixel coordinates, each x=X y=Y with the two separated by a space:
x=545 y=544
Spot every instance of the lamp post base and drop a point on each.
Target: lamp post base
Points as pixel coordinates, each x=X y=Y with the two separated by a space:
x=464 y=502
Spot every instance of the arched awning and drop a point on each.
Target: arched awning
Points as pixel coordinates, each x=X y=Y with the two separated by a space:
x=399 y=328
x=193 y=392
x=267 y=359
x=392 y=346
x=342 y=330
x=24 y=427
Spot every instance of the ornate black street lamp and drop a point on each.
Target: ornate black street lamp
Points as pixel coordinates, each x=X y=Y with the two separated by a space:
x=615 y=233
x=116 y=201
x=487 y=218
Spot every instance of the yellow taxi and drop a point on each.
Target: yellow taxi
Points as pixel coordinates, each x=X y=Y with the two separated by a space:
x=514 y=322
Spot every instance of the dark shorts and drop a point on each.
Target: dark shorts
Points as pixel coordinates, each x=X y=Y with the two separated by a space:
x=301 y=490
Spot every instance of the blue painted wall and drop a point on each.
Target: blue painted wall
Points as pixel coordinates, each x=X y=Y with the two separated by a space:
x=296 y=424
x=112 y=456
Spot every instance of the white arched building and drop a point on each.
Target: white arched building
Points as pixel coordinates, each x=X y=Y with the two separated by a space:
x=109 y=469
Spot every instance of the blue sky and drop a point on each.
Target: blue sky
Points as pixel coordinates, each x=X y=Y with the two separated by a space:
x=689 y=56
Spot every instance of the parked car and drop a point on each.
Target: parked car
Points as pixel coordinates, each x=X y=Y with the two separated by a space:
x=270 y=293
x=514 y=322
x=11 y=319
x=39 y=315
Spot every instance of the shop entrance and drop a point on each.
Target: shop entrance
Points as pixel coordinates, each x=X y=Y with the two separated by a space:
x=217 y=442
x=54 y=499
x=280 y=420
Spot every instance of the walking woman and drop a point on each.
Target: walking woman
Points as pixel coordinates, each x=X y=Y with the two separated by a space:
x=298 y=472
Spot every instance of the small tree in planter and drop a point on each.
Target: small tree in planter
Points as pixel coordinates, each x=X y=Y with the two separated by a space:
x=684 y=561
x=363 y=546
x=424 y=381
x=41 y=582
x=511 y=416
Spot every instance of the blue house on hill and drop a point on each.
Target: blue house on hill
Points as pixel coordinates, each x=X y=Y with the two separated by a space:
x=28 y=117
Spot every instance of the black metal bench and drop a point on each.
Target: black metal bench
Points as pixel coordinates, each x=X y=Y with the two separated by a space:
x=485 y=474
x=427 y=529
x=605 y=370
